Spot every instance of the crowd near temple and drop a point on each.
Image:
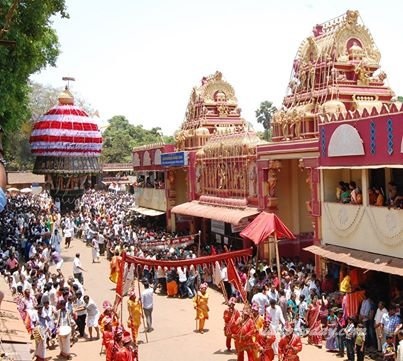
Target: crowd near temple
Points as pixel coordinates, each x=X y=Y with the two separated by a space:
x=185 y=220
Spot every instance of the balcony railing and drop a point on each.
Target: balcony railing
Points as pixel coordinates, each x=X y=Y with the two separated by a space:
x=369 y=228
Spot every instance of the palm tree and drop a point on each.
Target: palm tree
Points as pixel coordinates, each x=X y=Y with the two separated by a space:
x=264 y=116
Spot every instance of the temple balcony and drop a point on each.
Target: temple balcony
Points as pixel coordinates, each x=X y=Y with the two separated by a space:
x=365 y=226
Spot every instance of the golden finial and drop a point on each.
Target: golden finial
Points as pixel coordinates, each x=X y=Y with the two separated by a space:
x=65 y=97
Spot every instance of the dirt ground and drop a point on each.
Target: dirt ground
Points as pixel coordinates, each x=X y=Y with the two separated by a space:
x=174 y=337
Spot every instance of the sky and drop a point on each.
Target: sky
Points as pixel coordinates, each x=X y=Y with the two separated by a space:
x=141 y=59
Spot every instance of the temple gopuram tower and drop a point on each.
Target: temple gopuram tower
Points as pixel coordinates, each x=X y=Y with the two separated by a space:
x=222 y=178
x=336 y=77
x=336 y=73
x=67 y=144
x=211 y=105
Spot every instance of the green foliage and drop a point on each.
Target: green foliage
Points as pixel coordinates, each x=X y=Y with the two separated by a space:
x=18 y=150
x=120 y=137
x=264 y=116
x=36 y=47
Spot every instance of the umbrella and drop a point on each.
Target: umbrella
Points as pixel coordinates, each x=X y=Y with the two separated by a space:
x=12 y=189
x=26 y=190
x=267 y=225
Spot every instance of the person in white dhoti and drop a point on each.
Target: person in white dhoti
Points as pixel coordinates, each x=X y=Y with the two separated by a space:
x=277 y=321
x=64 y=323
x=39 y=333
x=95 y=249
x=48 y=313
x=92 y=316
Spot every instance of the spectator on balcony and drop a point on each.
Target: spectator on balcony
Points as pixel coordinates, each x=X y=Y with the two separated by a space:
x=372 y=196
x=392 y=194
x=339 y=190
x=149 y=184
x=345 y=196
x=356 y=194
x=380 y=199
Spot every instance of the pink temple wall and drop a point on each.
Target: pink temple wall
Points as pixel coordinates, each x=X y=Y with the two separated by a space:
x=380 y=141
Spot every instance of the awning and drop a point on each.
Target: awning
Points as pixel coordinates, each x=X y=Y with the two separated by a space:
x=147 y=211
x=376 y=166
x=360 y=259
x=223 y=214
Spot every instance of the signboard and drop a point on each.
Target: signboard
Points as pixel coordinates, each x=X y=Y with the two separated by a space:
x=217 y=227
x=174 y=159
x=217 y=238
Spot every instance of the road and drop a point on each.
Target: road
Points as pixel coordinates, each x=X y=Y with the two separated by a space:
x=174 y=337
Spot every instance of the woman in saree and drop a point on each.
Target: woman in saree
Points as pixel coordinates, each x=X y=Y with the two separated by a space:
x=314 y=323
x=331 y=340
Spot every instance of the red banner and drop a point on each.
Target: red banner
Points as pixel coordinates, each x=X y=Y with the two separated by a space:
x=243 y=255
x=175 y=242
x=233 y=277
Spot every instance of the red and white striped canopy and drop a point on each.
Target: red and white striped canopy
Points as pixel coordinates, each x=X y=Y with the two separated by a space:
x=66 y=131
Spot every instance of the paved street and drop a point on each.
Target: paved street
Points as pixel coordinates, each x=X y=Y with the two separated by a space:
x=173 y=338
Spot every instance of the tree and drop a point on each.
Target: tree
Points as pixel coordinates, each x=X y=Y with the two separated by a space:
x=36 y=46
x=264 y=116
x=19 y=150
x=120 y=137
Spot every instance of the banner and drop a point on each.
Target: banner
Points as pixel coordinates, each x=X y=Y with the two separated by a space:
x=243 y=255
x=176 y=242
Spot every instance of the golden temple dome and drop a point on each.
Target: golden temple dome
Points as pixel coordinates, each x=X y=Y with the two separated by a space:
x=66 y=98
x=333 y=106
x=188 y=133
x=202 y=132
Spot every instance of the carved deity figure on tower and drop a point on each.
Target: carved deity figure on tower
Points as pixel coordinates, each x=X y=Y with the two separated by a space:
x=252 y=180
x=222 y=176
x=285 y=122
x=296 y=123
x=363 y=74
x=272 y=183
x=198 y=179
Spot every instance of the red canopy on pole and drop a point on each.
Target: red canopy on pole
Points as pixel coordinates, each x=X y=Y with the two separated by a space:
x=266 y=225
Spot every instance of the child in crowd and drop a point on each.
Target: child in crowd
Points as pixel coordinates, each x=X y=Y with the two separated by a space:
x=350 y=335
x=360 y=342
x=299 y=325
x=388 y=349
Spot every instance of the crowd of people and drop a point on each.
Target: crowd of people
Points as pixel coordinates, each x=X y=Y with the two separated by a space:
x=277 y=312
x=297 y=306
x=54 y=306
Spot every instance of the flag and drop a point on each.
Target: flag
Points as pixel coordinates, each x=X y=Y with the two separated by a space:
x=233 y=277
x=217 y=274
x=119 y=284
